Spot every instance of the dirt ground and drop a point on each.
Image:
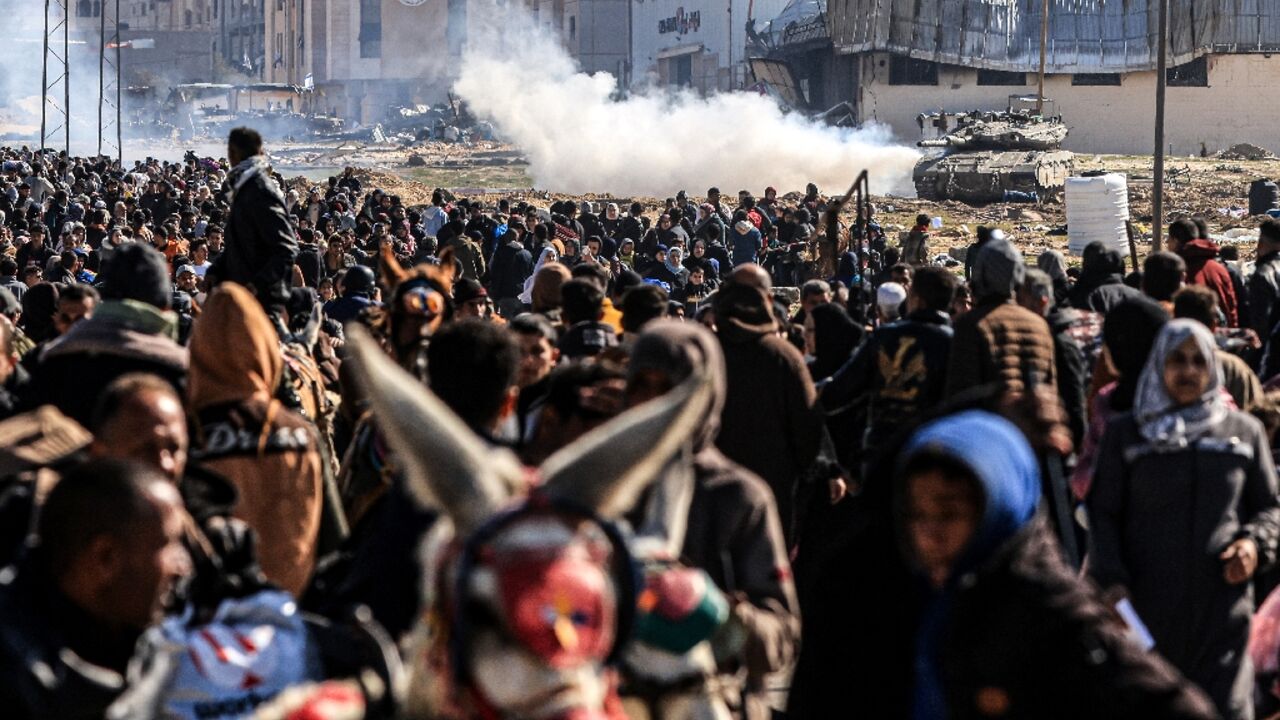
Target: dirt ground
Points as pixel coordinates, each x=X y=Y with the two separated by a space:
x=1216 y=189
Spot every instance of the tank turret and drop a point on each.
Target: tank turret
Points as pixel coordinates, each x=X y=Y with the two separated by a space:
x=987 y=154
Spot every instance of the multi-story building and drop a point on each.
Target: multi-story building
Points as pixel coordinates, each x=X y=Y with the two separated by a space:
x=240 y=30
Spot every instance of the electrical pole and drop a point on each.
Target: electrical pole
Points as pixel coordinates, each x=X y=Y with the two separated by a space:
x=1044 y=41
x=109 y=89
x=48 y=86
x=1157 y=190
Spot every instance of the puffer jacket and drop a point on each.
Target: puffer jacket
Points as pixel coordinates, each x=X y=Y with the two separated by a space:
x=1204 y=269
x=240 y=431
x=1002 y=343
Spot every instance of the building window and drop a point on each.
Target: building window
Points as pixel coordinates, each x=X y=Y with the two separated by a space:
x=1095 y=79
x=910 y=71
x=84 y=8
x=370 y=28
x=1192 y=74
x=573 y=27
x=1000 y=77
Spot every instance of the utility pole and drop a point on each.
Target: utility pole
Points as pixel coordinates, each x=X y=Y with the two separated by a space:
x=109 y=89
x=1044 y=41
x=1157 y=190
x=53 y=23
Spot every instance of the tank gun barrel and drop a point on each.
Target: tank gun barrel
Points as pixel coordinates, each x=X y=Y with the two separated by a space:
x=948 y=141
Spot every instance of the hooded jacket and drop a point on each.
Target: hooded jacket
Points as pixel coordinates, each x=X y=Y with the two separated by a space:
x=734 y=532
x=999 y=342
x=770 y=424
x=1204 y=269
x=1013 y=633
x=123 y=336
x=241 y=432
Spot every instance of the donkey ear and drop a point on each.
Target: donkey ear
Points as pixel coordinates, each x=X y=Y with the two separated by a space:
x=447 y=465
x=608 y=468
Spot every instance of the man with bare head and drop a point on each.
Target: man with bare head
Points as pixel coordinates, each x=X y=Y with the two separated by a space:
x=110 y=552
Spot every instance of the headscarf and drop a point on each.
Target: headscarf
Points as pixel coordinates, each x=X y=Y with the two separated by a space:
x=39 y=303
x=1053 y=264
x=677 y=350
x=1009 y=476
x=1160 y=420
x=548 y=255
x=1101 y=266
x=835 y=337
x=997 y=270
x=672 y=261
x=848 y=269
x=1129 y=331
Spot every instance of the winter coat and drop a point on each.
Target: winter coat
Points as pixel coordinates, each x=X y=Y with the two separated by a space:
x=242 y=432
x=469 y=256
x=1158 y=522
x=902 y=368
x=1014 y=633
x=1073 y=370
x=1000 y=343
x=511 y=266
x=1264 y=295
x=769 y=425
x=260 y=247
x=1110 y=293
x=123 y=336
x=1203 y=269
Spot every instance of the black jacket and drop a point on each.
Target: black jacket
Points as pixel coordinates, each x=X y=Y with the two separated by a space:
x=511 y=266
x=1110 y=293
x=260 y=248
x=1073 y=370
x=1264 y=295
x=902 y=368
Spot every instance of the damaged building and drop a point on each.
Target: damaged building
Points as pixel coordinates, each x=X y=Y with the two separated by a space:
x=896 y=60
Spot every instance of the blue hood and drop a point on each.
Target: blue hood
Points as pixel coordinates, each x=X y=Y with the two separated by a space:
x=998 y=455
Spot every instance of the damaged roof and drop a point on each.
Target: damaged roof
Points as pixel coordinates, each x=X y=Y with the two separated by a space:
x=1084 y=35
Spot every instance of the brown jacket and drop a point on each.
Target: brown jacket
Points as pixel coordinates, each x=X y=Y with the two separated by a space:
x=240 y=431
x=1000 y=342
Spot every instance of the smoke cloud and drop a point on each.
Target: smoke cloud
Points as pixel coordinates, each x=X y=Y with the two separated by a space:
x=578 y=138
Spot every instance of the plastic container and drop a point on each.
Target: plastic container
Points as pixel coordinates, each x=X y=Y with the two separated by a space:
x=1097 y=208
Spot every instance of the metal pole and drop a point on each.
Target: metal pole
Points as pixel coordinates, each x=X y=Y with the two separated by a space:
x=731 y=72
x=66 y=72
x=1157 y=190
x=119 y=90
x=1044 y=41
x=44 y=78
x=102 y=70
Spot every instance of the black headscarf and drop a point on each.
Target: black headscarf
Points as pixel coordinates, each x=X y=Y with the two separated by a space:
x=39 y=303
x=836 y=336
x=1129 y=332
x=1101 y=266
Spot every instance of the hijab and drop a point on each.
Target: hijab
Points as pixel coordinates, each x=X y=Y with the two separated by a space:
x=835 y=336
x=672 y=261
x=1053 y=264
x=1129 y=331
x=1160 y=420
x=548 y=255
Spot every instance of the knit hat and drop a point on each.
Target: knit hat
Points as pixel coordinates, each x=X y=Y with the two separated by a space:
x=890 y=297
x=467 y=290
x=137 y=272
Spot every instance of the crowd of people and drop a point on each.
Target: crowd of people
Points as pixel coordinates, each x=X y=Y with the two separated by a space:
x=231 y=402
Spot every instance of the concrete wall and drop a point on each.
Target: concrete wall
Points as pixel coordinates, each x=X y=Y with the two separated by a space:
x=596 y=33
x=718 y=39
x=1111 y=119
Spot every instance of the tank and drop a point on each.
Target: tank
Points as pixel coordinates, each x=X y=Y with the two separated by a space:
x=989 y=155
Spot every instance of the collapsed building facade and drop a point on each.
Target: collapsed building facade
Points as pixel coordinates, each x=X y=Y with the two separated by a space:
x=895 y=60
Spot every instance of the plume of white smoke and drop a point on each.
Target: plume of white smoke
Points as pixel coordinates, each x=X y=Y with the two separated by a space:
x=579 y=138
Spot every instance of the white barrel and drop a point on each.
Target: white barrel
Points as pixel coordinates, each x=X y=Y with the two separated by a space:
x=1097 y=208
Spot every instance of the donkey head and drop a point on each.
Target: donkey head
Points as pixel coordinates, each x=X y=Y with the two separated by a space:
x=529 y=586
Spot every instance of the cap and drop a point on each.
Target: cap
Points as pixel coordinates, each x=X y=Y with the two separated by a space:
x=186 y=269
x=467 y=290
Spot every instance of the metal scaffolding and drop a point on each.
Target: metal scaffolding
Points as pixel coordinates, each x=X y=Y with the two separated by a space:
x=109 y=90
x=57 y=34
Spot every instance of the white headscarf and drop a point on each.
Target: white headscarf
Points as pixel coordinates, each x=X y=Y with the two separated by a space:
x=1160 y=420
x=548 y=255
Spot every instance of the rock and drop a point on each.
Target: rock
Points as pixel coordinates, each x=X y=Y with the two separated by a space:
x=1245 y=151
x=416 y=160
x=1016 y=213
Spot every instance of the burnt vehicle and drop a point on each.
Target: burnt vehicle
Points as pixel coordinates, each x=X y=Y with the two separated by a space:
x=983 y=157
